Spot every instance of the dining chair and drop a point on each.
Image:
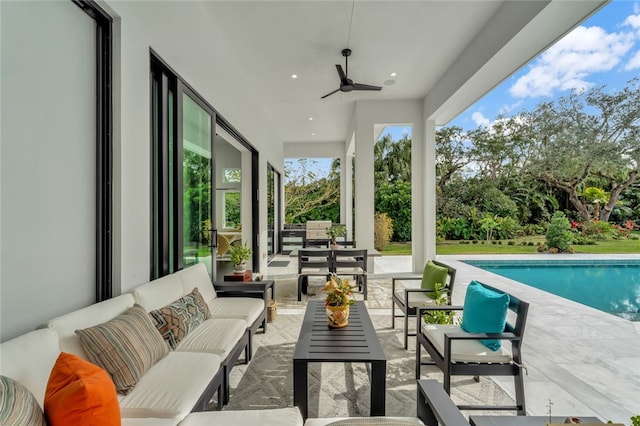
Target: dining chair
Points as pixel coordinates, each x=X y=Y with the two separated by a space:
x=313 y=262
x=352 y=262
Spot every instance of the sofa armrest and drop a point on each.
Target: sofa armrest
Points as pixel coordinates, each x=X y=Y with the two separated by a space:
x=435 y=407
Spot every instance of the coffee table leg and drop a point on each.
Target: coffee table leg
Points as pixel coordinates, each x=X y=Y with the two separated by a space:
x=378 y=384
x=300 y=385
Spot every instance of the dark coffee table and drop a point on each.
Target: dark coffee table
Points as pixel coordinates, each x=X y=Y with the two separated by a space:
x=357 y=342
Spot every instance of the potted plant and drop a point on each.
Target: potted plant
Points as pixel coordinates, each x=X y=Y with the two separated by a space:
x=339 y=297
x=335 y=231
x=239 y=254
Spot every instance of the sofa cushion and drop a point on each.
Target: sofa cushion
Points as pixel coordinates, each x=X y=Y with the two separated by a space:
x=171 y=388
x=485 y=311
x=464 y=350
x=177 y=320
x=216 y=336
x=243 y=308
x=197 y=276
x=125 y=346
x=159 y=292
x=273 y=417
x=66 y=325
x=29 y=358
x=18 y=406
x=80 y=393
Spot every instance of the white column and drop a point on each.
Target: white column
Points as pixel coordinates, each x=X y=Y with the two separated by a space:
x=430 y=191
x=364 y=183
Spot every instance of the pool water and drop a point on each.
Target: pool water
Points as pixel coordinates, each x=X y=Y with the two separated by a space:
x=611 y=286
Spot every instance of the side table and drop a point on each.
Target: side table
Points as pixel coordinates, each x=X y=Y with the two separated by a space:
x=245 y=276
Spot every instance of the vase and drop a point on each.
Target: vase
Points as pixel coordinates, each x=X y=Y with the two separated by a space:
x=337 y=316
x=240 y=268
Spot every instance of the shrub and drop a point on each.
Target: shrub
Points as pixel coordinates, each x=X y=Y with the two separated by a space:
x=582 y=240
x=382 y=230
x=598 y=229
x=474 y=241
x=558 y=235
x=511 y=243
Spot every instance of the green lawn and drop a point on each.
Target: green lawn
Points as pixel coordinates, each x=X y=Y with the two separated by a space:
x=454 y=247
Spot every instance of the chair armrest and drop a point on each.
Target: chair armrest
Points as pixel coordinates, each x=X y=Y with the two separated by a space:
x=436 y=407
x=407 y=278
x=421 y=309
x=478 y=336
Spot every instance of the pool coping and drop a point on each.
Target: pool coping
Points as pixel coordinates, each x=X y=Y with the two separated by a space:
x=585 y=361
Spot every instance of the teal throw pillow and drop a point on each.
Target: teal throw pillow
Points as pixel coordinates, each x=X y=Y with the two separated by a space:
x=432 y=275
x=485 y=311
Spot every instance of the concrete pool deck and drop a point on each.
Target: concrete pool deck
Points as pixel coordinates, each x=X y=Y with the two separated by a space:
x=585 y=361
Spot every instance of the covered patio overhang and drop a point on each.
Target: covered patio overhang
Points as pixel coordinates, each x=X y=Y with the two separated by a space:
x=446 y=56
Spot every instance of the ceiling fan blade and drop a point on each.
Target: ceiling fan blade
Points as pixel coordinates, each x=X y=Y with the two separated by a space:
x=341 y=73
x=358 y=86
x=329 y=94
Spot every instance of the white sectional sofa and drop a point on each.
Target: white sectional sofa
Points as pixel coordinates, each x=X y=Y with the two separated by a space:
x=182 y=381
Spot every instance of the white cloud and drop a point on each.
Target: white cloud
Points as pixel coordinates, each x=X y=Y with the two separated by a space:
x=633 y=21
x=567 y=64
x=634 y=62
x=480 y=119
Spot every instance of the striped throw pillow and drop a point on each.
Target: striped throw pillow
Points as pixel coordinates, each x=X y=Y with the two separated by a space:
x=125 y=346
x=18 y=406
x=178 y=319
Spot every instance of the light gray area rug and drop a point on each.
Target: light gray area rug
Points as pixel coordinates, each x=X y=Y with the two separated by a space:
x=340 y=389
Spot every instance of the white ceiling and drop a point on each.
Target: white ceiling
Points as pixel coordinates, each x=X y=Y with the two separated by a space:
x=449 y=53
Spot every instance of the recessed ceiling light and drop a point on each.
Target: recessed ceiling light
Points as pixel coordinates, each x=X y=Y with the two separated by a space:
x=393 y=74
x=294 y=76
x=313 y=134
x=310 y=118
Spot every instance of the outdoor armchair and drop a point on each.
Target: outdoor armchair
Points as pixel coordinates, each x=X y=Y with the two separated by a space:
x=418 y=291
x=465 y=350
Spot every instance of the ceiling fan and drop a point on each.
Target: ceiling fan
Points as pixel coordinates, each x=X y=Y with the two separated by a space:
x=346 y=84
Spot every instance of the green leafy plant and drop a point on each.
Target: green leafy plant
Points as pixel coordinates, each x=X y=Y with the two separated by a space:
x=438 y=316
x=335 y=231
x=339 y=292
x=239 y=253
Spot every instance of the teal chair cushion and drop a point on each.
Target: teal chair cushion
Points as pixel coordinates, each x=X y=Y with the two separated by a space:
x=431 y=275
x=484 y=311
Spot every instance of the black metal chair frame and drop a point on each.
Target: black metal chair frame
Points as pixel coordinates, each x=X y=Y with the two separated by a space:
x=513 y=332
x=315 y=259
x=403 y=304
x=352 y=258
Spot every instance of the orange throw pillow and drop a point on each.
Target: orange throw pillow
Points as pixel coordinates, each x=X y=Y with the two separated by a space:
x=80 y=393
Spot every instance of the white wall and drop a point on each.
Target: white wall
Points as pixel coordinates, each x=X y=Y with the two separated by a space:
x=47 y=155
x=43 y=275
x=182 y=34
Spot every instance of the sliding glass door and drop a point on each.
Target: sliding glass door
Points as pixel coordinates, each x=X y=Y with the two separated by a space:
x=197 y=183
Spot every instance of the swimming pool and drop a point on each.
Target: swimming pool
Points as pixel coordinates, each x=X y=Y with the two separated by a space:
x=611 y=286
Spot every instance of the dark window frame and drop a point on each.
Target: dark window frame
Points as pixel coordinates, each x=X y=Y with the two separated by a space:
x=181 y=86
x=104 y=147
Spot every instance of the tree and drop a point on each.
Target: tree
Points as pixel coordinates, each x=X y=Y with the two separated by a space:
x=394 y=199
x=308 y=197
x=587 y=136
x=452 y=155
